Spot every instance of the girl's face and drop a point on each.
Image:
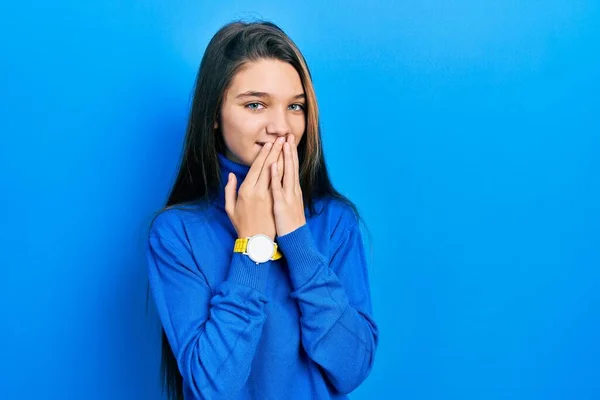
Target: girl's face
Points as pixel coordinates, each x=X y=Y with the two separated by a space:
x=264 y=101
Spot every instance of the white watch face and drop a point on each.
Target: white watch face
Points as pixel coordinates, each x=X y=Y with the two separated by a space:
x=260 y=248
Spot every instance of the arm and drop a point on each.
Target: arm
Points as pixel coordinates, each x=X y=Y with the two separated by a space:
x=213 y=335
x=338 y=331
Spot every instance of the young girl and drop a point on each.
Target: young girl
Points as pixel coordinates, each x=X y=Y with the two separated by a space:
x=257 y=263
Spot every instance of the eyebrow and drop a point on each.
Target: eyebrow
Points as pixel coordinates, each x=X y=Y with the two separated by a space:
x=252 y=93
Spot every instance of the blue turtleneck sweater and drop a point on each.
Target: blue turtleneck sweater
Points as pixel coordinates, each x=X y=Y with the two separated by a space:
x=299 y=327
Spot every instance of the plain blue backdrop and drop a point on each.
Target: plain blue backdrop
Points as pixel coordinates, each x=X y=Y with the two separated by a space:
x=467 y=133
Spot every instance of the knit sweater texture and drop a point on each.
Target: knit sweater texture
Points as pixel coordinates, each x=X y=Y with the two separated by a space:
x=300 y=327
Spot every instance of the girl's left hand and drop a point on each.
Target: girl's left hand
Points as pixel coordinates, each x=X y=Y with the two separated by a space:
x=288 y=205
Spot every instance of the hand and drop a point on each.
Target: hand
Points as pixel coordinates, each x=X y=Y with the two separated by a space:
x=288 y=204
x=251 y=209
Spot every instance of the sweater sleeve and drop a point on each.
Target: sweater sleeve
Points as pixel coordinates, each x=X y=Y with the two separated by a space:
x=213 y=335
x=338 y=330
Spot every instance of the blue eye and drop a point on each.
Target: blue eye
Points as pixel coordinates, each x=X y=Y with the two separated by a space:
x=298 y=107
x=254 y=106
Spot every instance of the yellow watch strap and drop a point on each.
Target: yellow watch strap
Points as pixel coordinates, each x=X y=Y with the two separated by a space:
x=241 y=244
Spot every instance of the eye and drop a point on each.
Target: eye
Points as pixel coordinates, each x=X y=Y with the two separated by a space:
x=254 y=106
x=297 y=107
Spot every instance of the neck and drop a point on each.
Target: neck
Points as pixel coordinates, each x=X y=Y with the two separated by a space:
x=226 y=166
x=240 y=171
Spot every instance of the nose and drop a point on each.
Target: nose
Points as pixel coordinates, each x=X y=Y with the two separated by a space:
x=278 y=124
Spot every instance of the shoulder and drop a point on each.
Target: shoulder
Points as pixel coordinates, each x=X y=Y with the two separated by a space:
x=170 y=240
x=341 y=215
x=172 y=223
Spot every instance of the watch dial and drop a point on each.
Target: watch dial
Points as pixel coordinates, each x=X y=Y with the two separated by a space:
x=260 y=248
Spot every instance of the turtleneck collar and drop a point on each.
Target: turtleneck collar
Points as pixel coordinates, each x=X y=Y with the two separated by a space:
x=240 y=170
x=225 y=167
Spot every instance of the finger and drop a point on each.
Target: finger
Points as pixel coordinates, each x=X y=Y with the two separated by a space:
x=257 y=164
x=280 y=165
x=294 y=151
x=230 y=193
x=265 y=174
x=289 y=176
x=275 y=181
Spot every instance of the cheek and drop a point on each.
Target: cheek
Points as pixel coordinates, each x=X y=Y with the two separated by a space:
x=239 y=126
x=298 y=127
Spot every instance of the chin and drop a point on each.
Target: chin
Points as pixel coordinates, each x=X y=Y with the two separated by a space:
x=246 y=157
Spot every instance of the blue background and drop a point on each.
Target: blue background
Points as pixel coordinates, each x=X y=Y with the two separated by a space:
x=467 y=133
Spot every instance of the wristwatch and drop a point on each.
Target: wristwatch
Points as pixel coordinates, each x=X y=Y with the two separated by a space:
x=260 y=248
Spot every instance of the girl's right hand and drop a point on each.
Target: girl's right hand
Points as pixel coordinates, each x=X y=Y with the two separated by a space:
x=250 y=210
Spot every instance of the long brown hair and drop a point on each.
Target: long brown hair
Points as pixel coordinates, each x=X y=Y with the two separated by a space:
x=230 y=48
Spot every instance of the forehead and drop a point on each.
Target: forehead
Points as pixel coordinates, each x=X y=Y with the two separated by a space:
x=275 y=77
